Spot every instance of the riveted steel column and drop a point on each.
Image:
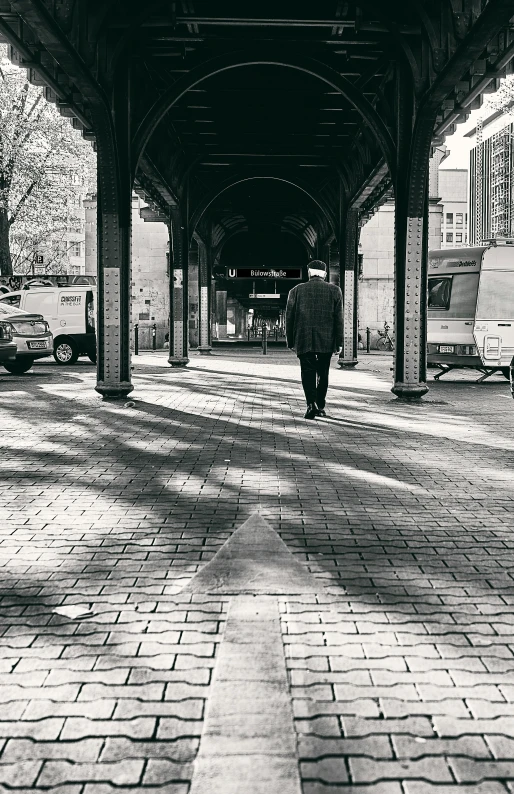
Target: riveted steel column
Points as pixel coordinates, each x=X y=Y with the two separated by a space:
x=204 y=283
x=411 y=254
x=178 y=291
x=348 y=354
x=114 y=249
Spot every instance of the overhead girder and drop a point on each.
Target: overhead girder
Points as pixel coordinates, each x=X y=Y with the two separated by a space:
x=240 y=59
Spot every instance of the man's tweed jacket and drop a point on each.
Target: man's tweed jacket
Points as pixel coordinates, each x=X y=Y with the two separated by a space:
x=314 y=317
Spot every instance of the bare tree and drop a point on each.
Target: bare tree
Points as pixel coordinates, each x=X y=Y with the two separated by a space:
x=43 y=163
x=503 y=99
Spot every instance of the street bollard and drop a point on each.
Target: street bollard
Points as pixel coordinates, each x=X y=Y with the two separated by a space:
x=136 y=339
x=154 y=337
x=248 y=333
x=264 y=340
x=368 y=340
x=276 y=334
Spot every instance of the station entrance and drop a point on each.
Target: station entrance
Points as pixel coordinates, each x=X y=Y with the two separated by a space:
x=260 y=260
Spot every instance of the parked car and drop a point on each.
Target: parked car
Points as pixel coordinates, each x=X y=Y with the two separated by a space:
x=31 y=334
x=70 y=312
x=7 y=346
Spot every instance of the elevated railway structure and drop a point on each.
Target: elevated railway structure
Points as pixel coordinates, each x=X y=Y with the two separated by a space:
x=331 y=105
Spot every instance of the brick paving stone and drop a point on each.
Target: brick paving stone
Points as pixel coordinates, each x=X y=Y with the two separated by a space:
x=19 y=750
x=403 y=661
x=377 y=788
x=20 y=774
x=180 y=750
x=329 y=770
x=104 y=788
x=123 y=773
x=418 y=787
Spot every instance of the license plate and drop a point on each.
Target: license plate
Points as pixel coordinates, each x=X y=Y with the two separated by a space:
x=37 y=345
x=446 y=349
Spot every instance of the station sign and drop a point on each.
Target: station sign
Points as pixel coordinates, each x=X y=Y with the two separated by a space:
x=265 y=272
x=264 y=295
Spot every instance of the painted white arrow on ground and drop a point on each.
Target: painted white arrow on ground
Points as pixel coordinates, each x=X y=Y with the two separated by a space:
x=248 y=744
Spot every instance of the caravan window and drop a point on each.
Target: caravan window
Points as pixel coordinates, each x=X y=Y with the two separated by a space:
x=439 y=292
x=496 y=295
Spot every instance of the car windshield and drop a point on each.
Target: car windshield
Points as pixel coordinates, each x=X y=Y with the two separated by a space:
x=10 y=311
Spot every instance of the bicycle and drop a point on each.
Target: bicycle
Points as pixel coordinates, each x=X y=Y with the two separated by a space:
x=385 y=342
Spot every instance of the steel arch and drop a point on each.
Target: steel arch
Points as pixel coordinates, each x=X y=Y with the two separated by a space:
x=239 y=59
x=199 y=212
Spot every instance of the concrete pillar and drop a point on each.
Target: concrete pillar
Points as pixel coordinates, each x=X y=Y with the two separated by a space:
x=221 y=313
x=193 y=286
x=349 y=247
x=205 y=287
x=240 y=318
x=178 y=291
x=214 y=309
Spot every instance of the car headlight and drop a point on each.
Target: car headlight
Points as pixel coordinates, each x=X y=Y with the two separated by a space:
x=6 y=331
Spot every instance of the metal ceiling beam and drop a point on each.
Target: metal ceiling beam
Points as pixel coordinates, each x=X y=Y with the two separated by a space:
x=234 y=60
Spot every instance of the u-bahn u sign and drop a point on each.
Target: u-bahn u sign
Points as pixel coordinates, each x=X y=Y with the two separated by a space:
x=264 y=272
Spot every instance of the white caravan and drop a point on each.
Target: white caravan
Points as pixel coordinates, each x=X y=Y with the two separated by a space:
x=471 y=308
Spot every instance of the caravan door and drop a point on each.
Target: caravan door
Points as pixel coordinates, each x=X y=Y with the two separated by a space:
x=494 y=320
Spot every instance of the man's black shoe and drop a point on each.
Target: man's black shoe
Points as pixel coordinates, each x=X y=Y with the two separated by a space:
x=322 y=412
x=312 y=411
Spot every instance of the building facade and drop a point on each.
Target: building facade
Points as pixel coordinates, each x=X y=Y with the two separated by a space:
x=453 y=190
x=491 y=205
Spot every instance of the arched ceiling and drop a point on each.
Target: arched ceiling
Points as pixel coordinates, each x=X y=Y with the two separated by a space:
x=262 y=208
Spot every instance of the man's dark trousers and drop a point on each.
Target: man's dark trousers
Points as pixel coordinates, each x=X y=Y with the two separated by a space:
x=315 y=368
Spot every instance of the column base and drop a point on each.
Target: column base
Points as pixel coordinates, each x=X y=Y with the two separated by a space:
x=409 y=391
x=176 y=361
x=114 y=392
x=204 y=350
x=347 y=363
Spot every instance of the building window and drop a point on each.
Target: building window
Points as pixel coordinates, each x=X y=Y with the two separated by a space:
x=74 y=249
x=442 y=237
x=449 y=218
x=459 y=218
x=458 y=237
x=449 y=237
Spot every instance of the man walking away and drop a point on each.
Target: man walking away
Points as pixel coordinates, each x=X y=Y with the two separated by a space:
x=314 y=329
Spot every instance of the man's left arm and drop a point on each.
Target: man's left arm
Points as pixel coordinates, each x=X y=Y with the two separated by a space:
x=290 y=316
x=338 y=321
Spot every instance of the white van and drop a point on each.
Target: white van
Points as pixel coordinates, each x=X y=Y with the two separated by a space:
x=471 y=309
x=70 y=313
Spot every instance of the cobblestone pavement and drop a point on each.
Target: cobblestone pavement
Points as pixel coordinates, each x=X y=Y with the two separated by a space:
x=401 y=666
